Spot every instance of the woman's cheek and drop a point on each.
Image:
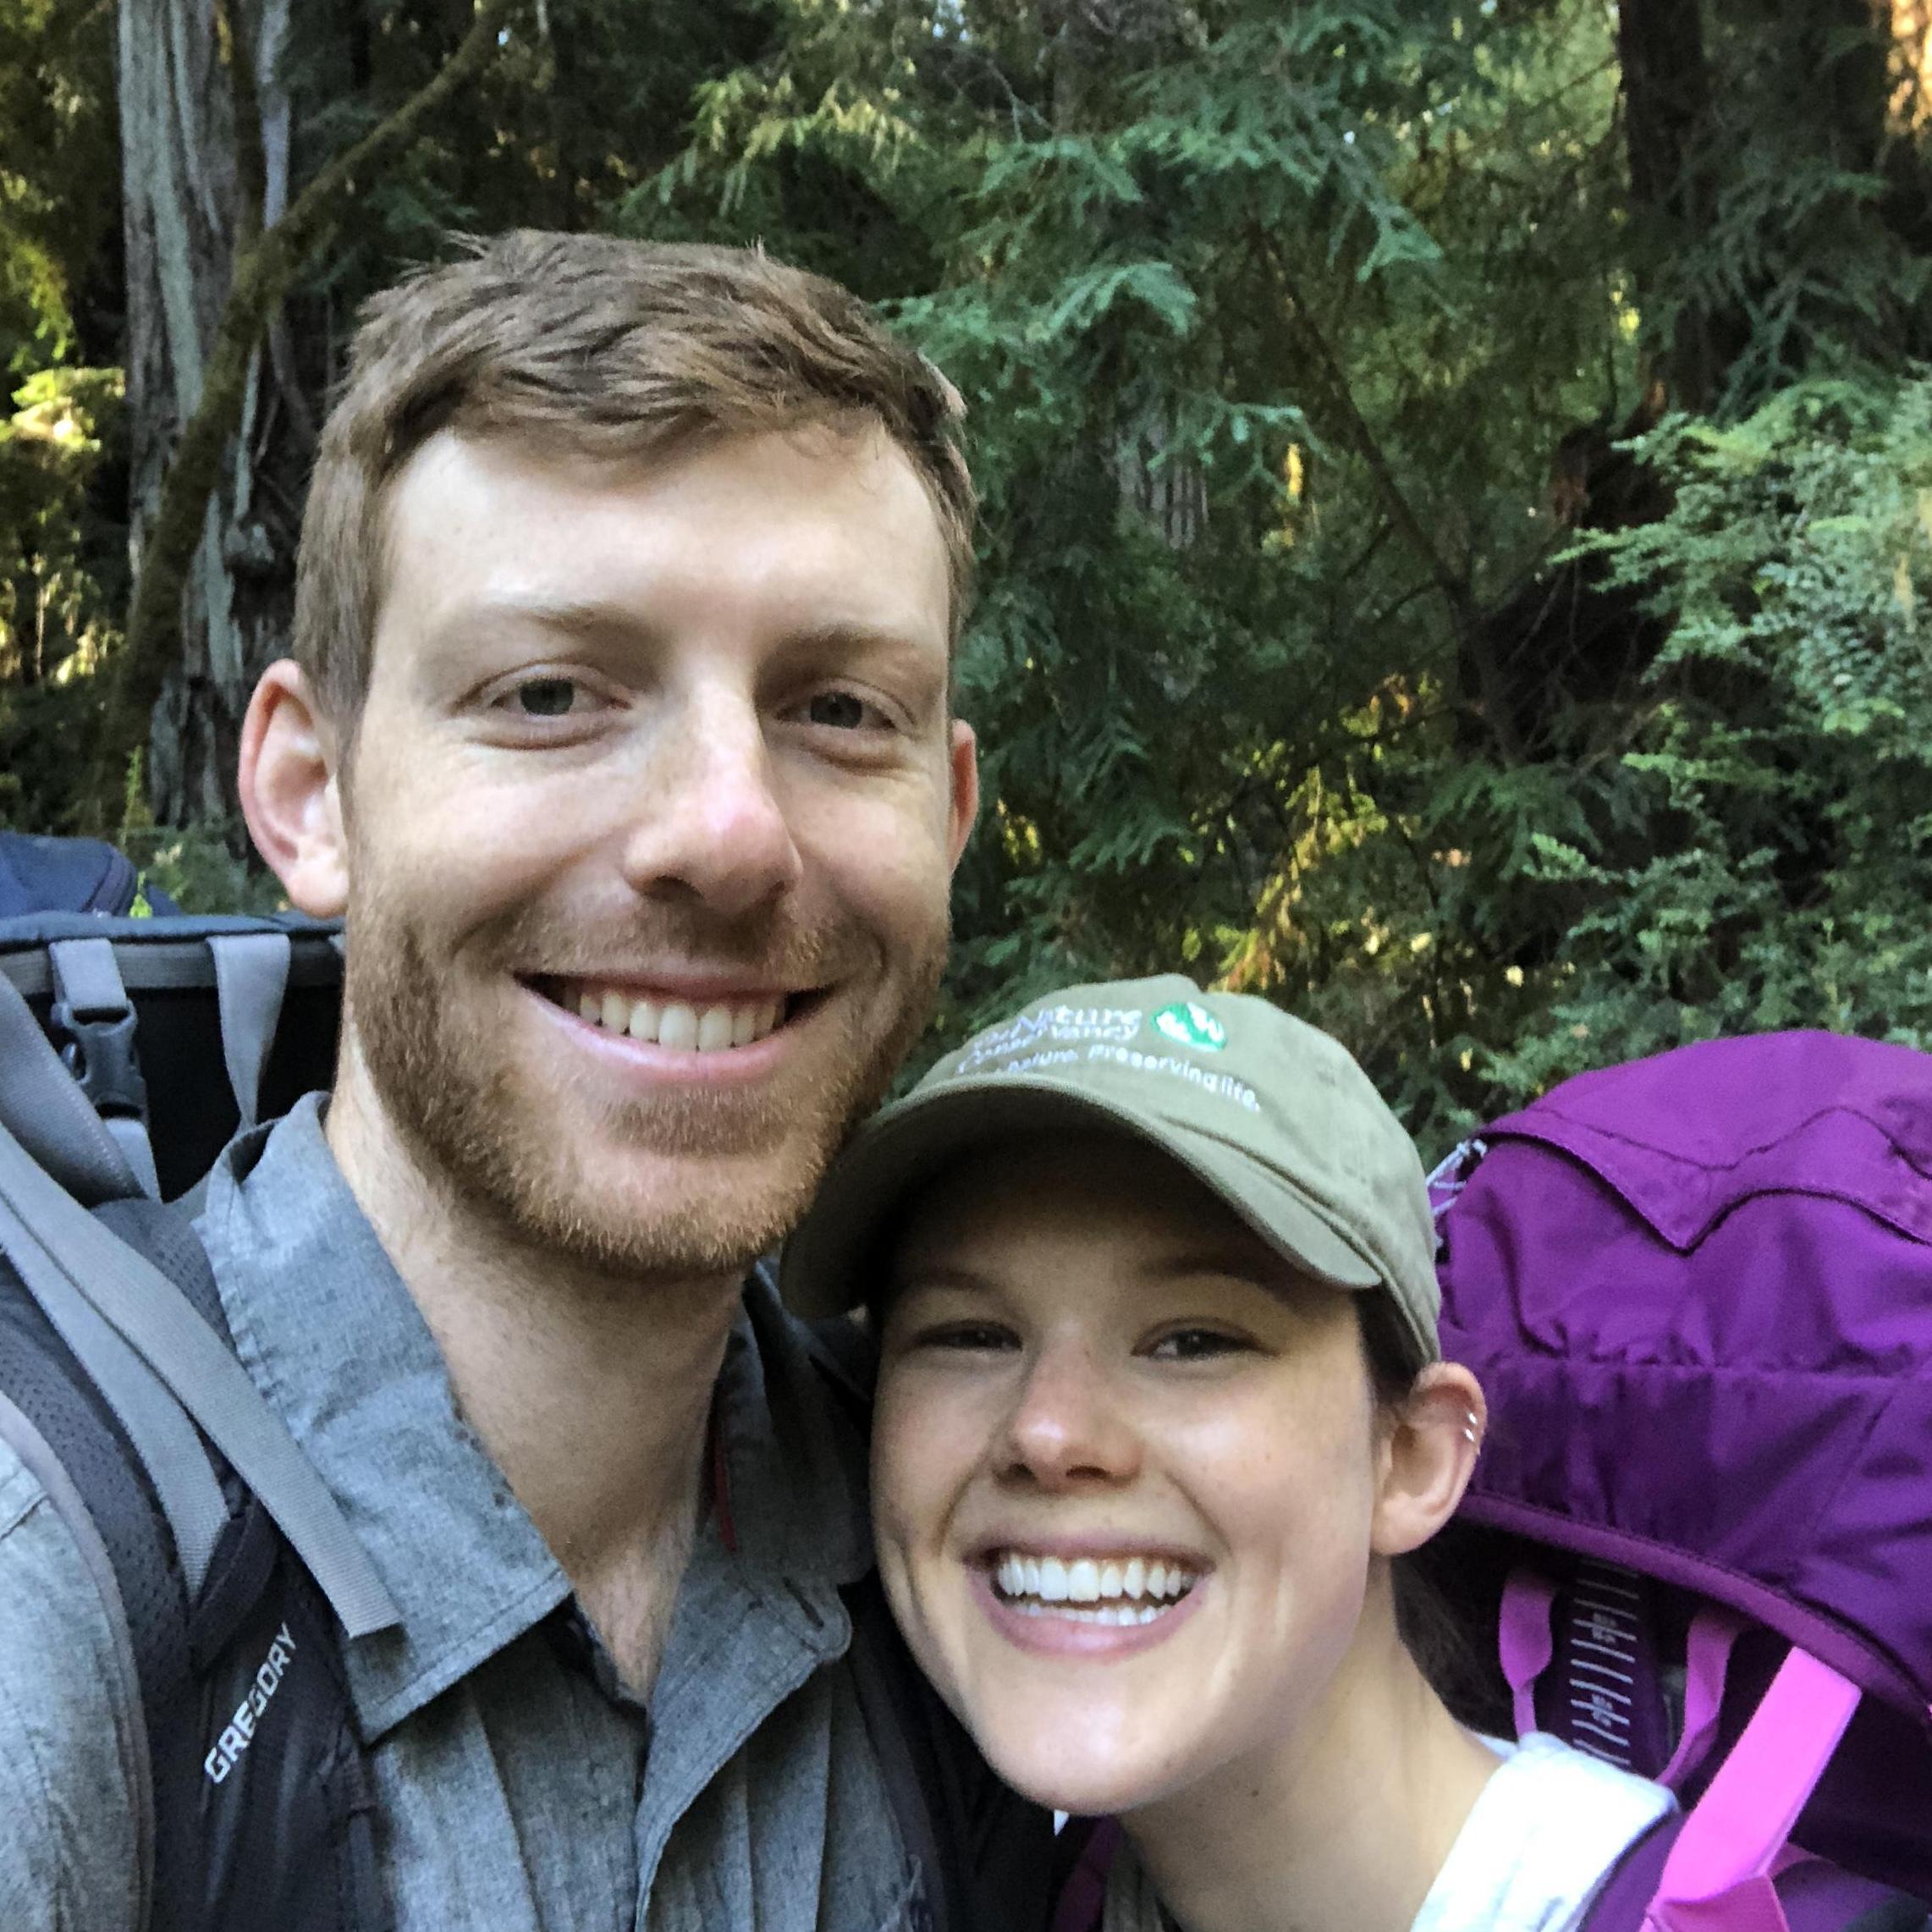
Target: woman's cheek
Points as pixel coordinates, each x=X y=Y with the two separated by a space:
x=919 y=1461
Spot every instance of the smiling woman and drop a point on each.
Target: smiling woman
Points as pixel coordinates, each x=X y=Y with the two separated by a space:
x=1161 y=1406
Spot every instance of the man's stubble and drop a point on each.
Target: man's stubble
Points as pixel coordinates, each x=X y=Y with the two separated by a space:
x=455 y=1098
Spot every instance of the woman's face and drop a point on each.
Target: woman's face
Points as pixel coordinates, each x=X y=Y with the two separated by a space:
x=1126 y=1469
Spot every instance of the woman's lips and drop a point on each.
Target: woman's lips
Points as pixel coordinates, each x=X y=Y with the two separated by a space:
x=1097 y=1629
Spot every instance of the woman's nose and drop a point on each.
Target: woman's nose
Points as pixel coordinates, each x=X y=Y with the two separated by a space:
x=1069 y=1424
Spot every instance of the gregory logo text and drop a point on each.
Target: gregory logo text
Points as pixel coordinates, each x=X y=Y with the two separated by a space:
x=239 y=1732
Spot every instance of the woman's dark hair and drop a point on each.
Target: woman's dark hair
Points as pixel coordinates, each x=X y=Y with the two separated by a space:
x=1430 y=1630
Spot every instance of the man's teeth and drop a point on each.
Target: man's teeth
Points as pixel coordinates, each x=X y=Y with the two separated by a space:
x=1127 y=1589
x=678 y=1024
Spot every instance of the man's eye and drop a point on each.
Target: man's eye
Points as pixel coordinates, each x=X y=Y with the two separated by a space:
x=1197 y=1345
x=546 y=698
x=842 y=710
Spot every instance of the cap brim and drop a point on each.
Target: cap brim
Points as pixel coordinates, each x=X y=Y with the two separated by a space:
x=825 y=1266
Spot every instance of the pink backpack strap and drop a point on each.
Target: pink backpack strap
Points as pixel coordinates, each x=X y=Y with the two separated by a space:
x=1707 y=1659
x=1718 y=1876
x=1525 y=1640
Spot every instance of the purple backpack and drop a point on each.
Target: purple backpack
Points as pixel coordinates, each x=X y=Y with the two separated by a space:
x=1697 y=1290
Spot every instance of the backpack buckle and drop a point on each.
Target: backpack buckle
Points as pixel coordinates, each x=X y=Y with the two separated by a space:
x=99 y=1051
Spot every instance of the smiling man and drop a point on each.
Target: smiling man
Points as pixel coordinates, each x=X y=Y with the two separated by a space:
x=618 y=732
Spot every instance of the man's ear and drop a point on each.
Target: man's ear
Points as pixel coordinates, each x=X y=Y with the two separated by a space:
x=290 y=791
x=1428 y=1454
x=963 y=754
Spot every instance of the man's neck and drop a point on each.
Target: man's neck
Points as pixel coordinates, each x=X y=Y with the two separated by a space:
x=1347 y=1824
x=591 y=1394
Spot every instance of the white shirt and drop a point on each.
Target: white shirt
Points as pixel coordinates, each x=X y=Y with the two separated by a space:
x=1551 y=1822
x=1536 y=1847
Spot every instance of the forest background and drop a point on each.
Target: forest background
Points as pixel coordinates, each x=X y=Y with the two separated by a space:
x=1457 y=473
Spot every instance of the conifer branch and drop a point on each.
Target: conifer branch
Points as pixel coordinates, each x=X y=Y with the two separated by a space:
x=1452 y=584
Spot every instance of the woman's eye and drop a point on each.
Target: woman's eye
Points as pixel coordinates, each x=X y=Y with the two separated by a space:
x=546 y=698
x=984 y=1338
x=841 y=710
x=1197 y=1345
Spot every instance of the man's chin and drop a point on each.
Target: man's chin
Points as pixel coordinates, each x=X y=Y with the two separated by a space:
x=624 y=1213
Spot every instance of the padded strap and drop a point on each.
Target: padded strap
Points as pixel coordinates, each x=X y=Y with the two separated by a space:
x=148 y=1313
x=1718 y=1876
x=1082 y=1904
x=251 y=974
x=87 y=983
x=164 y=1438
x=41 y=1462
x=41 y=1105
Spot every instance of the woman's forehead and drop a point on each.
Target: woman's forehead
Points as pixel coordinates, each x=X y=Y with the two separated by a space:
x=1102 y=1197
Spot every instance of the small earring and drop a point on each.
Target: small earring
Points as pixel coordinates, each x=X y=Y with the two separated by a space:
x=1469 y=1426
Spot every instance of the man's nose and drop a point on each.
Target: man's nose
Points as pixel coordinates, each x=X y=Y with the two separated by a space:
x=1069 y=1426
x=713 y=824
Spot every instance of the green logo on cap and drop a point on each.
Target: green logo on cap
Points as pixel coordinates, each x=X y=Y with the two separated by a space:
x=1188 y=1023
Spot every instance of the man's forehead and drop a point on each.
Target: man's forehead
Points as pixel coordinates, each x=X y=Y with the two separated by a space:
x=606 y=459
x=523 y=518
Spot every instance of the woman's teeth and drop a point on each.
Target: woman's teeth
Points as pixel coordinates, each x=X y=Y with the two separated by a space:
x=1128 y=1590
x=677 y=1024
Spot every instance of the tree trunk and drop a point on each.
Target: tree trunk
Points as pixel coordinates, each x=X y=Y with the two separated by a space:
x=214 y=579
x=1666 y=104
x=183 y=201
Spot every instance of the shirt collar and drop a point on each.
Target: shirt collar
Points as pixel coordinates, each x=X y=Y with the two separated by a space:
x=330 y=1335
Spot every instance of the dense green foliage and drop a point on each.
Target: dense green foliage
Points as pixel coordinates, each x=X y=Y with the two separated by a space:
x=1781 y=778
x=62 y=535
x=1333 y=640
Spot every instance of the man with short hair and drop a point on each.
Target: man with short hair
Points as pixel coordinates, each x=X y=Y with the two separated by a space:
x=618 y=731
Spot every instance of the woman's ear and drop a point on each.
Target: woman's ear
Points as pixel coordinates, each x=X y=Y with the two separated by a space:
x=291 y=793
x=1428 y=1454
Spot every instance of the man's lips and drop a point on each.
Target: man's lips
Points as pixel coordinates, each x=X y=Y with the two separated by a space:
x=713 y=1018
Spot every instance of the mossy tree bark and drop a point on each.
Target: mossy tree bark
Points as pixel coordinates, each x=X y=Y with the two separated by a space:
x=217 y=252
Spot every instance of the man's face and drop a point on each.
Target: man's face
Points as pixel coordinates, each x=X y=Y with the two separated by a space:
x=650 y=819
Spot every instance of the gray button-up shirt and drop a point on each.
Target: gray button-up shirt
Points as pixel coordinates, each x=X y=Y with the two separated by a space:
x=519 y=1790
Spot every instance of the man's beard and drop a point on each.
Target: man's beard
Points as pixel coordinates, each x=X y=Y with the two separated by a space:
x=457 y=1099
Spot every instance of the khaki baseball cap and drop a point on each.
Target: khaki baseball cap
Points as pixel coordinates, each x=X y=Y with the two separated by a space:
x=1268 y=1113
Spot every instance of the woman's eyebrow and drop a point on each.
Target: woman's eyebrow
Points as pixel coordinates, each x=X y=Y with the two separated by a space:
x=1212 y=1258
x=1233 y=1260
x=939 y=1274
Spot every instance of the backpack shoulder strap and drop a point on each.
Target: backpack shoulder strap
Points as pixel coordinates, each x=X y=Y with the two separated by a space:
x=254 y=1803
x=989 y=1852
x=37 y=1457
x=1813 y=1895
x=1817 y=1896
x=109 y=1286
x=63 y=1426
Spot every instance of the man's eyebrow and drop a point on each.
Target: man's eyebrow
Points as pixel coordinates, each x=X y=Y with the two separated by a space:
x=594 y=622
x=572 y=616
x=854 y=633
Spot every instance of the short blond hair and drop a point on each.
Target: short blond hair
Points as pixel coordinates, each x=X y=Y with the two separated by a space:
x=603 y=347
